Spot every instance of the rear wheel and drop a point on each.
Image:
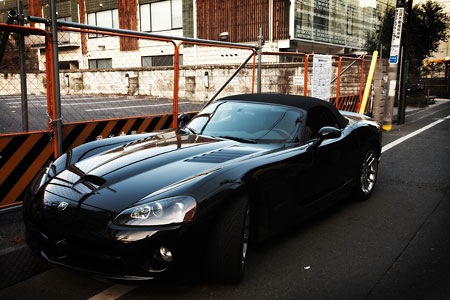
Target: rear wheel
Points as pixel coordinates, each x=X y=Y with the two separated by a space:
x=367 y=174
x=229 y=242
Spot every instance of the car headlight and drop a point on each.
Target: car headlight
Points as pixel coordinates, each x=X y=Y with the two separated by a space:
x=167 y=211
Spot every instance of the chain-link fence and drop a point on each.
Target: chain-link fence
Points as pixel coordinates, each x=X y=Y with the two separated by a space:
x=110 y=75
x=117 y=81
x=294 y=73
x=22 y=111
x=210 y=71
x=100 y=80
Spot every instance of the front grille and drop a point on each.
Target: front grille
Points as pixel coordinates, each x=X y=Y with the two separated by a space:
x=101 y=257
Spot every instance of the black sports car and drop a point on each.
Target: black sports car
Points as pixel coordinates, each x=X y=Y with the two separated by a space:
x=141 y=206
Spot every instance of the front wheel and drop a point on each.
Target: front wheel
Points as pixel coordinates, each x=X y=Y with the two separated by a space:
x=229 y=242
x=367 y=174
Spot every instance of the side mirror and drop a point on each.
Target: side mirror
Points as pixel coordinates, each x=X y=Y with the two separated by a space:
x=326 y=133
x=183 y=119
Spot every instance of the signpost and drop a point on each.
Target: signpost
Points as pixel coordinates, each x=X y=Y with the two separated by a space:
x=394 y=58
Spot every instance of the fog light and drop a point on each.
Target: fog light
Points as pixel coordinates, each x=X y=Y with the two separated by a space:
x=165 y=253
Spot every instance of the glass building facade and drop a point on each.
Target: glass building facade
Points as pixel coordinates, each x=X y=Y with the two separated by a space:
x=308 y=25
x=342 y=23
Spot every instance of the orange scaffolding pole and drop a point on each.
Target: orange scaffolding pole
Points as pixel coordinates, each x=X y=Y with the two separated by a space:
x=176 y=78
x=305 y=83
x=338 y=82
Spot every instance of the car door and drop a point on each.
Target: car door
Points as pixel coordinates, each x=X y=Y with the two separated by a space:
x=302 y=175
x=329 y=158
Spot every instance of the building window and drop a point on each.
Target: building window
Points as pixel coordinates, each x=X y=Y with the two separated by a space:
x=69 y=65
x=350 y=17
x=106 y=18
x=159 y=61
x=104 y=63
x=66 y=19
x=161 y=15
x=146 y=61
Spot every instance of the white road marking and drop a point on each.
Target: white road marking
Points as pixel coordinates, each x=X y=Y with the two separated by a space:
x=70 y=102
x=133 y=106
x=113 y=292
x=414 y=133
x=102 y=102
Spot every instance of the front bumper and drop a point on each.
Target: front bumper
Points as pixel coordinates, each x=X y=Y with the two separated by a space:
x=109 y=256
x=110 y=276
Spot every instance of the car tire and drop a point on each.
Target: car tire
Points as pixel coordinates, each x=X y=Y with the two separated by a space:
x=367 y=174
x=229 y=242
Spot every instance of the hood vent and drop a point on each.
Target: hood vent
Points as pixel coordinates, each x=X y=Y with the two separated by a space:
x=219 y=156
x=88 y=184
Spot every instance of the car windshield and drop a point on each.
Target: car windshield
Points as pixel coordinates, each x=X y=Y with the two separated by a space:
x=248 y=122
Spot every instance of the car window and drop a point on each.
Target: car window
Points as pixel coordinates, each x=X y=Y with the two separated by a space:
x=317 y=118
x=244 y=120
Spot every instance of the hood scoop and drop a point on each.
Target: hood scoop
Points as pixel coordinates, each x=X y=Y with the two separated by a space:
x=219 y=156
x=88 y=184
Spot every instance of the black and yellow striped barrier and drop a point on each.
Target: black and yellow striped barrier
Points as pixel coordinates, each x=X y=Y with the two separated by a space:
x=23 y=155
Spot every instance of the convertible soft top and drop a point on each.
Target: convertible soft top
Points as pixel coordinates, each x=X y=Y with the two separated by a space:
x=303 y=102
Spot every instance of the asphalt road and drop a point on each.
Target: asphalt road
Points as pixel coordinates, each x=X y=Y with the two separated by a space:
x=396 y=245
x=76 y=108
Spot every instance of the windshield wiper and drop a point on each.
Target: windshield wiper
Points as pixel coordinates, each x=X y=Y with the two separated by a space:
x=238 y=139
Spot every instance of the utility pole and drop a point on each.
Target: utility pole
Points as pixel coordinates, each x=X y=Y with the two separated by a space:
x=404 y=71
x=394 y=59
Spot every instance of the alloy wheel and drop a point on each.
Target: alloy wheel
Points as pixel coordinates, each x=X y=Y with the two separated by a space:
x=369 y=172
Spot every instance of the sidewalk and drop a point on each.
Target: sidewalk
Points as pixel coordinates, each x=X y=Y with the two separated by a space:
x=17 y=261
x=412 y=109
x=11 y=229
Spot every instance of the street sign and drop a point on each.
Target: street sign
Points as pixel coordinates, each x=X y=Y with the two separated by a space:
x=396 y=36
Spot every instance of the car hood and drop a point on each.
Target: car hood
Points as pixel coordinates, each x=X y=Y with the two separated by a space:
x=117 y=178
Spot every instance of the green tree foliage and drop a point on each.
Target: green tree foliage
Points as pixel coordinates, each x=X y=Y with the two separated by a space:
x=428 y=27
x=380 y=38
